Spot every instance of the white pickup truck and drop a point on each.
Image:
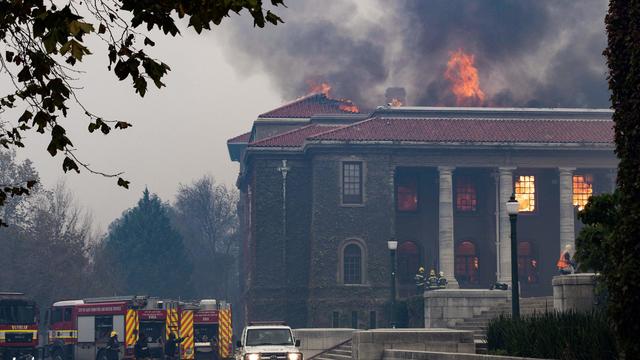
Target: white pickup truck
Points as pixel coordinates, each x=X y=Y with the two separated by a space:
x=267 y=342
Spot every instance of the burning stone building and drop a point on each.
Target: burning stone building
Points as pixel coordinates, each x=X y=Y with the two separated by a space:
x=324 y=187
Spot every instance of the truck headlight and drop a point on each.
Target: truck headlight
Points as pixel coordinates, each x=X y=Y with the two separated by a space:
x=294 y=356
x=252 y=357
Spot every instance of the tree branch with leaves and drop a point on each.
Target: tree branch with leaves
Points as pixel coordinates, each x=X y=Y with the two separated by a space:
x=42 y=43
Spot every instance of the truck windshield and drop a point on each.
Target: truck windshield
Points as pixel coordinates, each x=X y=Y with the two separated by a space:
x=152 y=330
x=17 y=312
x=258 y=337
x=205 y=332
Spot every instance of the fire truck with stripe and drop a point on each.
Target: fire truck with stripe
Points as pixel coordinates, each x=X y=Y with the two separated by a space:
x=18 y=326
x=79 y=329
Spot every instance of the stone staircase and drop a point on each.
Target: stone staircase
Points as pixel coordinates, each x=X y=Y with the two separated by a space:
x=341 y=352
x=479 y=323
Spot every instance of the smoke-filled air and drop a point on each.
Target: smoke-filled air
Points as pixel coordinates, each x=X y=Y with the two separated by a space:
x=444 y=53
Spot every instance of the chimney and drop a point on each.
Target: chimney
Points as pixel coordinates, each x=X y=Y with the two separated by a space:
x=395 y=96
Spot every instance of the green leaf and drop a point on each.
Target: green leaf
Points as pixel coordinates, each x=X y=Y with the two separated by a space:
x=123 y=183
x=69 y=164
x=26 y=116
x=122 y=125
x=76 y=49
x=140 y=85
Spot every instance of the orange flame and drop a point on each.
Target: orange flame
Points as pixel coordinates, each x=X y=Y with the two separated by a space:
x=395 y=103
x=348 y=106
x=463 y=75
x=315 y=87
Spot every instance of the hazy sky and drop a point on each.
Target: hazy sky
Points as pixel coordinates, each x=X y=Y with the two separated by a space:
x=529 y=53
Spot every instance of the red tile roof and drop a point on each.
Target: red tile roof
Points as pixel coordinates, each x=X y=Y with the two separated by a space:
x=474 y=130
x=243 y=138
x=314 y=104
x=294 y=138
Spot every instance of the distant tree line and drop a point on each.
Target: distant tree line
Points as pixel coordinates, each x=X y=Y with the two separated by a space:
x=186 y=250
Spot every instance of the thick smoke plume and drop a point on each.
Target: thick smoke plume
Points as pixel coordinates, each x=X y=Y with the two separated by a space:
x=528 y=53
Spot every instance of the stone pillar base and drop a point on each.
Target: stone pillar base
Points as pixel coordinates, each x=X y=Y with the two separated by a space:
x=574 y=292
x=448 y=307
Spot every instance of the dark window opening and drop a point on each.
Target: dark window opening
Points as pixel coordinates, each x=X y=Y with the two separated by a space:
x=104 y=326
x=373 y=320
x=466 y=195
x=354 y=319
x=67 y=314
x=335 y=320
x=408 y=262
x=527 y=263
x=56 y=316
x=352 y=182
x=17 y=312
x=153 y=330
x=466 y=263
x=352 y=264
x=407 y=193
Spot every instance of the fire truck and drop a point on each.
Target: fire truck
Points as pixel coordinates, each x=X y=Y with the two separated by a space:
x=18 y=326
x=212 y=329
x=79 y=329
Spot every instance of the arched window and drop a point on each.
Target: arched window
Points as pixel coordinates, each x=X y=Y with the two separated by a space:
x=527 y=263
x=408 y=261
x=352 y=264
x=466 y=263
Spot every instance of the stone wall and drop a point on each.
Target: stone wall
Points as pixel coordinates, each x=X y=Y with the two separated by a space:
x=432 y=355
x=575 y=292
x=280 y=249
x=315 y=341
x=371 y=344
x=445 y=308
x=369 y=224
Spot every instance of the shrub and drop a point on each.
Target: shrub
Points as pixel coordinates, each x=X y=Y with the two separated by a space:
x=570 y=335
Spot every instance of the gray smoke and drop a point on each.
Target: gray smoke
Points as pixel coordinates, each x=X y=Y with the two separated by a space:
x=528 y=53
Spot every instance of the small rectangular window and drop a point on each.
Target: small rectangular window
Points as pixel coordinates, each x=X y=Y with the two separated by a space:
x=352 y=182
x=335 y=321
x=56 y=315
x=407 y=193
x=67 y=314
x=372 y=320
x=582 y=190
x=525 y=190
x=354 y=319
x=104 y=326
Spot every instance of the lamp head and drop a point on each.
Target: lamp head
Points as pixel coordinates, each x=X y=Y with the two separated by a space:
x=512 y=206
x=392 y=244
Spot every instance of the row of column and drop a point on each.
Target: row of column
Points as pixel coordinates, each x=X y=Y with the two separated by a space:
x=505 y=190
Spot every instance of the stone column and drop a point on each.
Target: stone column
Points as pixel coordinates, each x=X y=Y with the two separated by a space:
x=506 y=190
x=445 y=225
x=567 y=229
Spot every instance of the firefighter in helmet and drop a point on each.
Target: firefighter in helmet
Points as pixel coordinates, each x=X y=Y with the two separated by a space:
x=566 y=264
x=171 y=346
x=420 y=279
x=113 y=346
x=432 y=282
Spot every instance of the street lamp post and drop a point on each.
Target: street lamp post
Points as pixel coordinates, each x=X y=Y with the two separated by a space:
x=512 y=210
x=393 y=245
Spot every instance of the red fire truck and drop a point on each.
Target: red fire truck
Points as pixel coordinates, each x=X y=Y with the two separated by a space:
x=79 y=329
x=18 y=326
x=212 y=324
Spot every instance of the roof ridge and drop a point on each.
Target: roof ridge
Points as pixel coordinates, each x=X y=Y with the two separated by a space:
x=346 y=126
x=281 y=134
x=300 y=99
